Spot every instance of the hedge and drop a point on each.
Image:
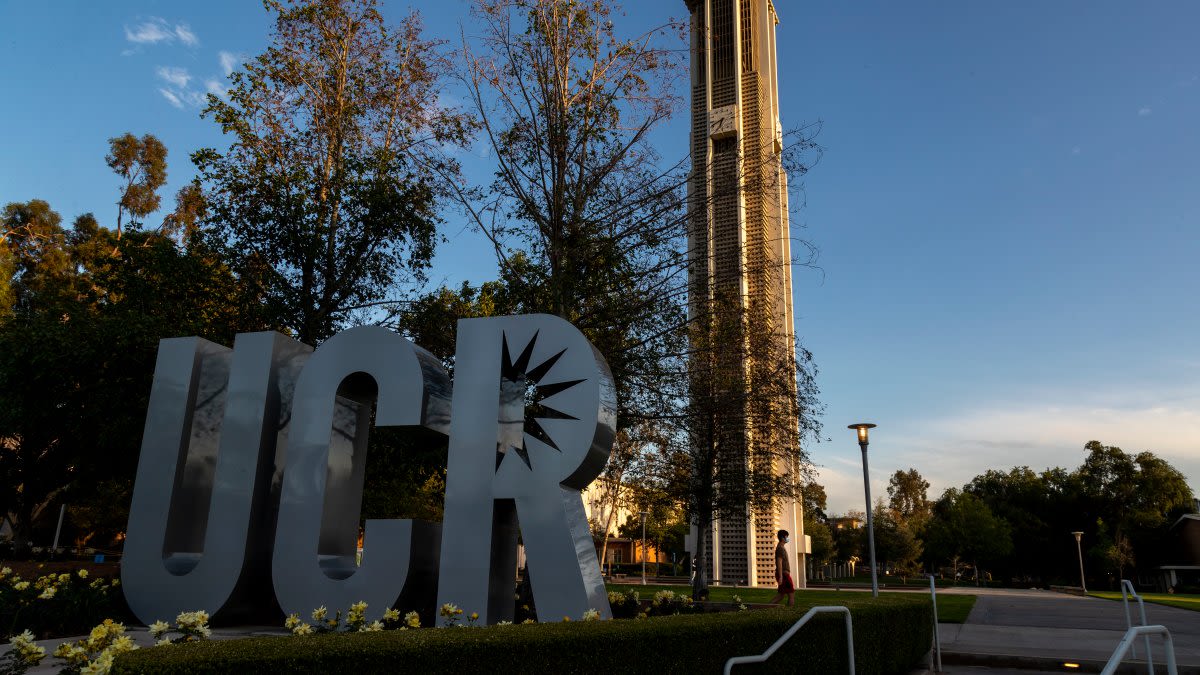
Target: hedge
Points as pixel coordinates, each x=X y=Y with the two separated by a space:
x=890 y=636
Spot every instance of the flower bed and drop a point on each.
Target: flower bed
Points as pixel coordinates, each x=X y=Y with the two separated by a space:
x=69 y=602
x=890 y=636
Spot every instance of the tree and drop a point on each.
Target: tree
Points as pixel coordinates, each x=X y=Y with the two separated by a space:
x=142 y=164
x=962 y=527
x=815 y=501
x=619 y=480
x=589 y=225
x=78 y=355
x=326 y=199
x=895 y=544
x=743 y=430
x=908 y=498
x=36 y=256
x=585 y=224
x=823 y=548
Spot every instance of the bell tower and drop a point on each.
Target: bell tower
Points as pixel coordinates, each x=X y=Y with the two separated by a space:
x=738 y=238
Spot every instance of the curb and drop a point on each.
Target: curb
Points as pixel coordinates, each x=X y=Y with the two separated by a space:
x=1048 y=663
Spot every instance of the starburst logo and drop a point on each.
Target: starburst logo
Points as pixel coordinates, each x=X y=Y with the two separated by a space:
x=523 y=401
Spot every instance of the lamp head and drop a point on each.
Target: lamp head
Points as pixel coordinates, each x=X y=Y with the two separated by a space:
x=862 y=431
x=1078 y=535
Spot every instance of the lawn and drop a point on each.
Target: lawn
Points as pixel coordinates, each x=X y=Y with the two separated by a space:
x=951 y=608
x=1180 y=600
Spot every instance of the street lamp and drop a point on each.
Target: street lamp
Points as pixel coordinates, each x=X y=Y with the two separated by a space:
x=644 y=514
x=862 y=428
x=1079 y=549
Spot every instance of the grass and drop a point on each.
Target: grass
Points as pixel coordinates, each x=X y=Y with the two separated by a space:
x=1180 y=600
x=950 y=608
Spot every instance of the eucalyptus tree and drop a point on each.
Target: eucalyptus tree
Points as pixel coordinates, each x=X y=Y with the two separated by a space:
x=142 y=165
x=326 y=199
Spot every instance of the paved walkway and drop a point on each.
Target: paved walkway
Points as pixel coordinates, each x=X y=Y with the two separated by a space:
x=1043 y=629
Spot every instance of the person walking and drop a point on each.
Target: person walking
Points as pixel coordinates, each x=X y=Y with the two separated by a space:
x=783 y=572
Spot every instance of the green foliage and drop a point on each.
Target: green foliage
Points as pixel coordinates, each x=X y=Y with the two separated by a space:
x=142 y=164
x=908 y=498
x=823 y=548
x=1123 y=503
x=77 y=356
x=890 y=636
x=963 y=527
x=895 y=543
x=325 y=202
x=56 y=605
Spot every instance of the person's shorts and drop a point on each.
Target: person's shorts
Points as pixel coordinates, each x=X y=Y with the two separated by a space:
x=786 y=586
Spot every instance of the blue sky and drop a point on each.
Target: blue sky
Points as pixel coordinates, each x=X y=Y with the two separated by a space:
x=1006 y=209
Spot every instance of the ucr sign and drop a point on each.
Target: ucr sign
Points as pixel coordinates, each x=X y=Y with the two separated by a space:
x=253 y=461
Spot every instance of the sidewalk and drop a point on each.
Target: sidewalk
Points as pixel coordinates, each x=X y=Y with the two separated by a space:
x=1042 y=630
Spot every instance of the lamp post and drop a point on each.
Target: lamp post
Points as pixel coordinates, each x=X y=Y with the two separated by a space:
x=862 y=428
x=644 y=514
x=1079 y=550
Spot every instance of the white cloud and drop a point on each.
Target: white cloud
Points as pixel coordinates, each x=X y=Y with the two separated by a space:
x=152 y=31
x=185 y=35
x=171 y=98
x=1144 y=111
x=1075 y=150
x=228 y=60
x=173 y=75
x=952 y=449
x=214 y=87
x=155 y=29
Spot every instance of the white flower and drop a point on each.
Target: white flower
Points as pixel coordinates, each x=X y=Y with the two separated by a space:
x=163 y=642
x=591 y=615
x=292 y=621
x=21 y=585
x=450 y=610
x=48 y=593
x=5 y=571
x=503 y=623
x=373 y=627
x=100 y=666
x=158 y=628
x=412 y=620
x=122 y=644
x=302 y=629
x=319 y=613
x=24 y=647
x=82 y=574
x=392 y=614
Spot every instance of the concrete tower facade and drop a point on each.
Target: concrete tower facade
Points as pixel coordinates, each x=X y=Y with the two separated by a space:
x=738 y=236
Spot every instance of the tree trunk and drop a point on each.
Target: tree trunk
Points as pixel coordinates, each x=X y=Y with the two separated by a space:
x=700 y=566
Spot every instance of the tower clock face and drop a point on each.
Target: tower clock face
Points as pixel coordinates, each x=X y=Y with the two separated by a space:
x=722 y=121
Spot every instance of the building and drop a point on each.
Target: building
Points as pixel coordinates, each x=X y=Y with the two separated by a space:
x=738 y=233
x=597 y=504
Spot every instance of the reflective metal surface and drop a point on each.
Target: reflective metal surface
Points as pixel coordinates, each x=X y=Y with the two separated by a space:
x=216 y=514
x=533 y=424
x=323 y=479
x=199 y=534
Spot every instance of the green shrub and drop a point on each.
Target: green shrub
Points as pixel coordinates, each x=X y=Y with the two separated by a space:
x=890 y=636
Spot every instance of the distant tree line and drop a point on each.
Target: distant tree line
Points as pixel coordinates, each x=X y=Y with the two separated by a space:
x=1015 y=526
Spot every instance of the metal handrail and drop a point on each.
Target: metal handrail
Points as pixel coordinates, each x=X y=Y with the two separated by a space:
x=760 y=658
x=1126 y=643
x=937 y=634
x=1125 y=583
